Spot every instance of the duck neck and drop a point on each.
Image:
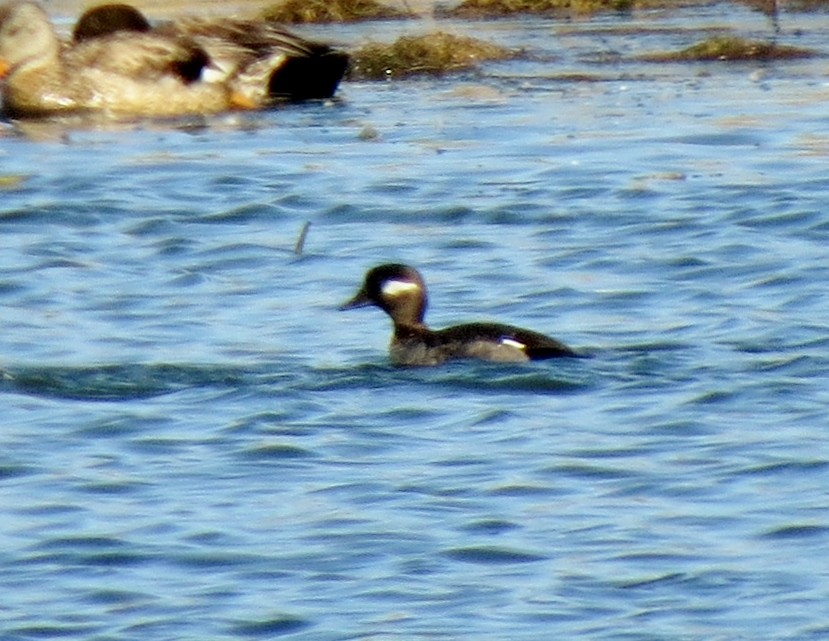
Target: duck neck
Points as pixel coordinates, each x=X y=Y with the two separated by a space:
x=404 y=330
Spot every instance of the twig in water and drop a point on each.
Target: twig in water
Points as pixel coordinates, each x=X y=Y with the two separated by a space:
x=300 y=242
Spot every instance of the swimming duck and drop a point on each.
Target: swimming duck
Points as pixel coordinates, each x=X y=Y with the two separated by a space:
x=289 y=67
x=122 y=73
x=400 y=291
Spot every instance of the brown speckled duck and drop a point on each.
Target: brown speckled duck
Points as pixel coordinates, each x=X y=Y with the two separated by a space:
x=122 y=73
x=261 y=59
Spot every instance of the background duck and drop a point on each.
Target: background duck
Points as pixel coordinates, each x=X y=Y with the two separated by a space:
x=400 y=291
x=122 y=73
x=109 y=18
x=287 y=66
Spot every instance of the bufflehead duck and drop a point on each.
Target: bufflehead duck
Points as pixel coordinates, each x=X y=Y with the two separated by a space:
x=399 y=290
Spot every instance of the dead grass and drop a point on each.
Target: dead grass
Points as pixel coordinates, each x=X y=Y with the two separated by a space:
x=435 y=53
x=732 y=48
x=496 y=8
x=317 y=11
x=787 y=6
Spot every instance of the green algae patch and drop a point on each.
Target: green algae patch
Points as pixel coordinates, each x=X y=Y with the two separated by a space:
x=732 y=48
x=323 y=11
x=499 y=8
x=435 y=53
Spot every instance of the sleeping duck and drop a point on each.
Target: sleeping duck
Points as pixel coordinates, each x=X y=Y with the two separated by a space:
x=260 y=54
x=122 y=73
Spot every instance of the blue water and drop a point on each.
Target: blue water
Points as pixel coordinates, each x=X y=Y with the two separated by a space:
x=195 y=444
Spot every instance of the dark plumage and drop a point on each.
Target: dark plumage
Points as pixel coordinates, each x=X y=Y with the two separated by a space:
x=399 y=290
x=109 y=18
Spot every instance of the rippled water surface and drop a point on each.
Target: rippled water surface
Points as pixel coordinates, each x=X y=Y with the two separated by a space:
x=195 y=444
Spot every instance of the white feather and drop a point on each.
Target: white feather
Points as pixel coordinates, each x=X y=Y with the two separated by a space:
x=511 y=342
x=397 y=287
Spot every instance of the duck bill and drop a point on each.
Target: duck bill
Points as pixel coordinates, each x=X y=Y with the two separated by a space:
x=240 y=101
x=360 y=300
x=5 y=67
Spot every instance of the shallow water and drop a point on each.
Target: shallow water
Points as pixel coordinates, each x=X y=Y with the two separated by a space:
x=196 y=444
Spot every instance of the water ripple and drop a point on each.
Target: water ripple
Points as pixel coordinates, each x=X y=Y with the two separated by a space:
x=119 y=382
x=270 y=627
x=492 y=555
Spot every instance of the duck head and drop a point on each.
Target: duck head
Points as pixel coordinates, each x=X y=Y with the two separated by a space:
x=397 y=289
x=107 y=19
x=26 y=37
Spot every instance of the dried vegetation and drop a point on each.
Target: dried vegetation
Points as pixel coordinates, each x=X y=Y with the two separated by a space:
x=429 y=54
x=498 y=8
x=441 y=53
x=308 y=11
x=732 y=48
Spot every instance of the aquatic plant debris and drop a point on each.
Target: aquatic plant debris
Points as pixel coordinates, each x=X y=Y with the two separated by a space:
x=434 y=53
x=299 y=246
x=11 y=181
x=492 y=8
x=732 y=48
x=323 y=11
x=496 y=8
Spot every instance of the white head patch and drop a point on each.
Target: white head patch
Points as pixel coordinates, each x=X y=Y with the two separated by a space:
x=511 y=342
x=393 y=288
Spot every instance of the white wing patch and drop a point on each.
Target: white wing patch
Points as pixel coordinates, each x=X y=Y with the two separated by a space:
x=511 y=342
x=397 y=287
